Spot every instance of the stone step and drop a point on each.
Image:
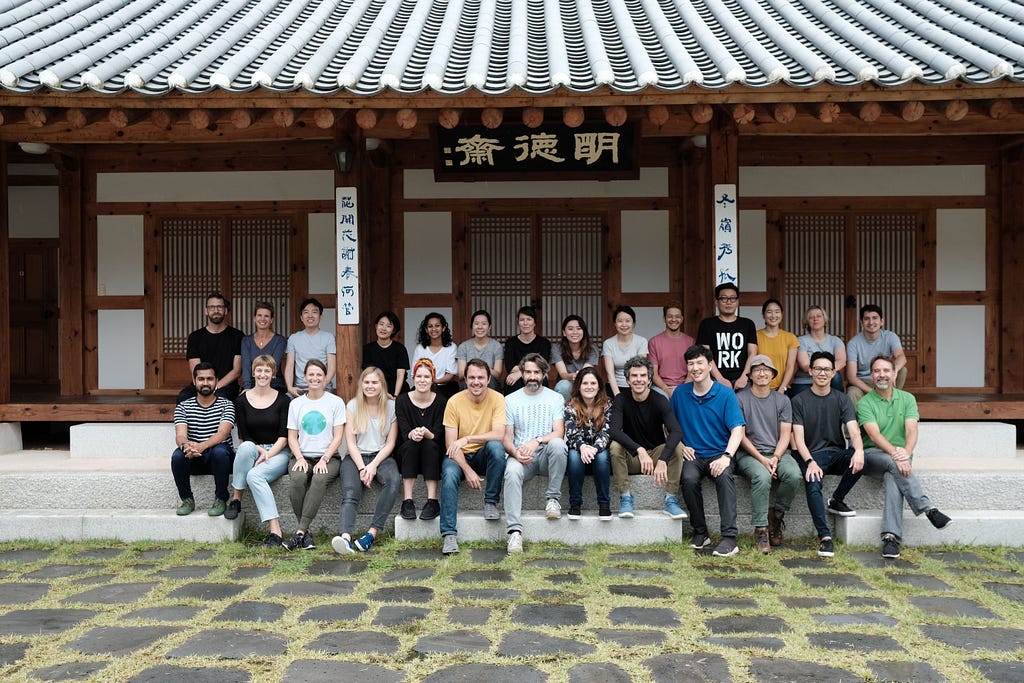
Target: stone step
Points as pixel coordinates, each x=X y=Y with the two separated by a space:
x=645 y=527
x=122 y=440
x=124 y=525
x=969 y=527
x=966 y=439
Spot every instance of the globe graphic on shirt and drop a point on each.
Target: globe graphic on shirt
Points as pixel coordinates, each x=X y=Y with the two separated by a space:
x=314 y=422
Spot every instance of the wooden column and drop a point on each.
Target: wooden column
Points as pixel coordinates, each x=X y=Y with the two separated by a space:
x=375 y=191
x=1011 y=285
x=349 y=337
x=5 y=282
x=71 y=291
x=696 y=231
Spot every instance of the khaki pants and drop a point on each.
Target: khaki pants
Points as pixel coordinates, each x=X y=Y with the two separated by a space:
x=624 y=464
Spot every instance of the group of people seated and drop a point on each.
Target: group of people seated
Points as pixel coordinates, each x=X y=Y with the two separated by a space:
x=675 y=408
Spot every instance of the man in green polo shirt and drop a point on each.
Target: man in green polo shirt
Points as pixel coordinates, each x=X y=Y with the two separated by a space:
x=888 y=418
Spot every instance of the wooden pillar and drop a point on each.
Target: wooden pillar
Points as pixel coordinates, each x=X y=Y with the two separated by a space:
x=71 y=344
x=696 y=233
x=349 y=337
x=5 y=282
x=1011 y=284
x=375 y=193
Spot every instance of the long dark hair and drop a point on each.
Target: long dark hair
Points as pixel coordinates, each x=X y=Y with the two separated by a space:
x=586 y=345
x=446 y=332
x=593 y=415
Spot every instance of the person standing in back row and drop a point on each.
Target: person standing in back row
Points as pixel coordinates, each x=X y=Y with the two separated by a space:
x=731 y=338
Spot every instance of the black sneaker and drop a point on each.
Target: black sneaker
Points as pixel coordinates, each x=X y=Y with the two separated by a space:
x=294 y=542
x=938 y=520
x=700 y=541
x=826 y=548
x=575 y=511
x=431 y=510
x=890 y=547
x=726 y=547
x=408 y=509
x=234 y=507
x=272 y=541
x=307 y=541
x=838 y=507
x=604 y=512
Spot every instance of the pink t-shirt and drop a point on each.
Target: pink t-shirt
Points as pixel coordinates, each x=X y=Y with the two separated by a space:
x=667 y=353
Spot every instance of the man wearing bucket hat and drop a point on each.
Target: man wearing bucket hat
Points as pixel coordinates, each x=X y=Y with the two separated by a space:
x=765 y=455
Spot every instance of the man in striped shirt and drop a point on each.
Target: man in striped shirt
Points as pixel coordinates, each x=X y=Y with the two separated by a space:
x=202 y=430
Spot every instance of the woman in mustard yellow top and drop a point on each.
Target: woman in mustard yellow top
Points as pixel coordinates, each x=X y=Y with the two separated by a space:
x=778 y=344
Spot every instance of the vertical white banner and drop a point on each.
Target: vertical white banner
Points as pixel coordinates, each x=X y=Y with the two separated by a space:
x=726 y=262
x=346 y=219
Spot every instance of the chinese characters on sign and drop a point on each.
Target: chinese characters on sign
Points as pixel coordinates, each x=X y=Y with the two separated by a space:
x=726 y=267
x=347 y=240
x=595 y=151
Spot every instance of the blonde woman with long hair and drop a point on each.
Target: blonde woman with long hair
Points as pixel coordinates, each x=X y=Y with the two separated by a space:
x=371 y=437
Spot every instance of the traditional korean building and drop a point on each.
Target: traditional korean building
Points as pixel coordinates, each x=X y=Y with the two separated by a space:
x=502 y=152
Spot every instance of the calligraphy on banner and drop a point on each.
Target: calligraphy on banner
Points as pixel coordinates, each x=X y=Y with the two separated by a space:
x=591 y=151
x=347 y=240
x=726 y=265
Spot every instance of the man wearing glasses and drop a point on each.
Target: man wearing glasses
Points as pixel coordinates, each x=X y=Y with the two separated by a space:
x=731 y=338
x=218 y=344
x=819 y=416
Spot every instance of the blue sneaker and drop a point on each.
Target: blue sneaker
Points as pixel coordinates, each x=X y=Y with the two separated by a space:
x=672 y=508
x=625 y=506
x=364 y=542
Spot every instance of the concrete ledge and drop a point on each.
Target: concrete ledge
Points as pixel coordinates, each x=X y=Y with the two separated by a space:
x=123 y=525
x=646 y=527
x=10 y=437
x=127 y=440
x=969 y=527
x=967 y=439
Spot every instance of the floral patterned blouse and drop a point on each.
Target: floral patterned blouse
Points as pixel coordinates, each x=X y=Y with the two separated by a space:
x=577 y=434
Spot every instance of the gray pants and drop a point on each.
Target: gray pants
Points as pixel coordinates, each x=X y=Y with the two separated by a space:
x=352 y=492
x=549 y=459
x=307 y=489
x=879 y=465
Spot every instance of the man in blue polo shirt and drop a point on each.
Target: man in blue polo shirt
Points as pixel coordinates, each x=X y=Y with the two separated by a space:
x=713 y=428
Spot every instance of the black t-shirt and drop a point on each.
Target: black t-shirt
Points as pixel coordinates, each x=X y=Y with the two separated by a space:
x=262 y=425
x=728 y=343
x=217 y=349
x=822 y=418
x=389 y=360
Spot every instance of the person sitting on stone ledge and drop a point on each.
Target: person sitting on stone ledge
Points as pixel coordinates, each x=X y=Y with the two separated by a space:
x=819 y=416
x=316 y=427
x=713 y=428
x=534 y=443
x=889 y=419
x=202 y=430
x=587 y=436
x=872 y=341
x=371 y=436
x=644 y=432
x=420 y=414
x=474 y=424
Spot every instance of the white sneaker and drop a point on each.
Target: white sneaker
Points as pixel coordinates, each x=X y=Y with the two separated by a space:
x=553 y=510
x=515 y=543
x=451 y=545
x=342 y=545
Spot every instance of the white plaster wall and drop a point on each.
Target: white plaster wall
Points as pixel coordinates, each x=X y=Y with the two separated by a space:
x=960 y=249
x=649 y=321
x=411 y=319
x=752 y=242
x=121 y=349
x=215 y=186
x=419 y=184
x=959 y=346
x=428 y=252
x=119 y=255
x=871 y=181
x=322 y=266
x=33 y=211
x=645 y=251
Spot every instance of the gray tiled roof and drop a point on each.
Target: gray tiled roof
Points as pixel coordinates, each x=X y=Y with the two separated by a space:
x=367 y=47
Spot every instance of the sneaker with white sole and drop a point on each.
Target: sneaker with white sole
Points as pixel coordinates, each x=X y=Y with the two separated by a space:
x=515 y=543
x=726 y=547
x=491 y=511
x=451 y=545
x=625 y=506
x=342 y=545
x=826 y=547
x=553 y=510
x=890 y=547
x=604 y=512
x=938 y=520
x=700 y=541
x=672 y=509
x=838 y=507
x=575 y=510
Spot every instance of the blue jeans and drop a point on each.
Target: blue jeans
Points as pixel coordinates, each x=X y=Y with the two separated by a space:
x=488 y=461
x=601 y=468
x=352 y=492
x=215 y=460
x=257 y=479
x=831 y=461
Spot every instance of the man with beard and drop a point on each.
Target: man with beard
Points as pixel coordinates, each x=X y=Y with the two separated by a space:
x=202 y=430
x=218 y=344
x=534 y=443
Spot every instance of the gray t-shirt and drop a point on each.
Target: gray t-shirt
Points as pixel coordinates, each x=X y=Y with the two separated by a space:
x=862 y=351
x=573 y=364
x=810 y=346
x=533 y=416
x=763 y=416
x=492 y=351
x=371 y=440
x=822 y=418
x=307 y=347
x=619 y=355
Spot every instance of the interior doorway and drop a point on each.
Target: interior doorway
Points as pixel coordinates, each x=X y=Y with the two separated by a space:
x=35 y=316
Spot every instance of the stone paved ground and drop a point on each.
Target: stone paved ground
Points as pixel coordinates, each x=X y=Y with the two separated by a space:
x=402 y=613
